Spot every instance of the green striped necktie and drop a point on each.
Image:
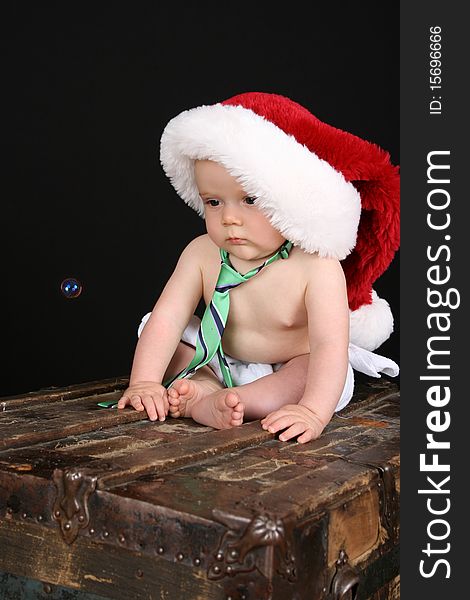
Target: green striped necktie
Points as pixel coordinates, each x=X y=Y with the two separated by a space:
x=211 y=330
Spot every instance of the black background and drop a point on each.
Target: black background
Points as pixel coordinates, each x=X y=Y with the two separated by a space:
x=88 y=91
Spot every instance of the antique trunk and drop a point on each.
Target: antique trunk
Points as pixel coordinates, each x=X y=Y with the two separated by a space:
x=97 y=502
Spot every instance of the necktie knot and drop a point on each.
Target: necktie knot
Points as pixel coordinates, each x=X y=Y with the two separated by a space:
x=227 y=271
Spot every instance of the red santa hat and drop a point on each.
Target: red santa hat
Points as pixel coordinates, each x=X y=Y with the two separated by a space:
x=324 y=189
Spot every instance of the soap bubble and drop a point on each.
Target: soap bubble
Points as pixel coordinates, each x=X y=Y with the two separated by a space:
x=71 y=288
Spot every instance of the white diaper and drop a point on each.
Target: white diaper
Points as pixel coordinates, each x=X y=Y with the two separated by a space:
x=246 y=372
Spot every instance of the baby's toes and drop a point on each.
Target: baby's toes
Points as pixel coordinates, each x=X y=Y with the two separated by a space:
x=237 y=415
x=232 y=401
x=174 y=408
x=172 y=393
x=173 y=397
x=180 y=387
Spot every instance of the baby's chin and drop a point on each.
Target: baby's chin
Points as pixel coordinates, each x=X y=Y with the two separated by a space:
x=248 y=251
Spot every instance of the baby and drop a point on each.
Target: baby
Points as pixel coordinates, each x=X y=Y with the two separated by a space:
x=281 y=351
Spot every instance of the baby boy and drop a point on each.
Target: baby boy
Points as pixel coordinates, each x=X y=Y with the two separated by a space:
x=274 y=343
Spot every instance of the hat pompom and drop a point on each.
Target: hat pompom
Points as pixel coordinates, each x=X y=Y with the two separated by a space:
x=371 y=324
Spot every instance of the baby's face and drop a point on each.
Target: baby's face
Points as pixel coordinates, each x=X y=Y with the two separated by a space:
x=233 y=220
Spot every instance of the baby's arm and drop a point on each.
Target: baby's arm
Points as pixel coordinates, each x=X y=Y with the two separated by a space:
x=328 y=324
x=162 y=333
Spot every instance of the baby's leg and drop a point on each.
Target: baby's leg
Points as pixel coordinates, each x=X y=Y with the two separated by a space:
x=269 y=393
x=197 y=397
x=182 y=390
x=181 y=359
x=253 y=400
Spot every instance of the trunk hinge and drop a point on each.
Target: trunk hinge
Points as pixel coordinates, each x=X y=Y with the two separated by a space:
x=74 y=487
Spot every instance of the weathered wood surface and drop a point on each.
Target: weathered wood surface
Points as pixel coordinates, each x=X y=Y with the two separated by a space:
x=55 y=394
x=232 y=513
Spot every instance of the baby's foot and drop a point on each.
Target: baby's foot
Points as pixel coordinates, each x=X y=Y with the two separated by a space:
x=184 y=393
x=221 y=409
x=206 y=403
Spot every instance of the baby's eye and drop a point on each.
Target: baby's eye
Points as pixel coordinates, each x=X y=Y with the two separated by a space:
x=250 y=200
x=212 y=202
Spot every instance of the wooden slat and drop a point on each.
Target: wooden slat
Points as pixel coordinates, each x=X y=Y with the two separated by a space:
x=59 y=394
x=181 y=452
x=34 y=423
x=106 y=444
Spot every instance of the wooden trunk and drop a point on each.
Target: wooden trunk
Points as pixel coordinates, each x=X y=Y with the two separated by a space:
x=111 y=504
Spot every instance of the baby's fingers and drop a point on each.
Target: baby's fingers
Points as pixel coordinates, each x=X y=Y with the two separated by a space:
x=133 y=400
x=293 y=431
x=136 y=402
x=269 y=419
x=307 y=436
x=156 y=406
x=162 y=406
x=150 y=406
x=123 y=401
x=276 y=423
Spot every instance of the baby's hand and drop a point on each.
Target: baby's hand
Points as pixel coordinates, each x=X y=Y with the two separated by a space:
x=146 y=395
x=299 y=420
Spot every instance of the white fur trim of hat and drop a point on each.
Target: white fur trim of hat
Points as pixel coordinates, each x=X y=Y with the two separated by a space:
x=305 y=198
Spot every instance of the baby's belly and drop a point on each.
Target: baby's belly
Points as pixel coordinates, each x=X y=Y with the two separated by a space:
x=272 y=346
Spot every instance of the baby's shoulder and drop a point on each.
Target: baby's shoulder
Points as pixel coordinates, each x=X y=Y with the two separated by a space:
x=201 y=243
x=200 y=249
x=309 y=265
x=300 y=259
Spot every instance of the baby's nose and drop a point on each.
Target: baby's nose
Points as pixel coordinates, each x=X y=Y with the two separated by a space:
x=231 y=216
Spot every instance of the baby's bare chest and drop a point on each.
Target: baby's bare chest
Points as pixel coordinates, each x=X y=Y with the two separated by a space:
x=274 y=298
x=267 y=320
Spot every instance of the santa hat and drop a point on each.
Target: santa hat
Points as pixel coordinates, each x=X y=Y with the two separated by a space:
x=322 y=188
